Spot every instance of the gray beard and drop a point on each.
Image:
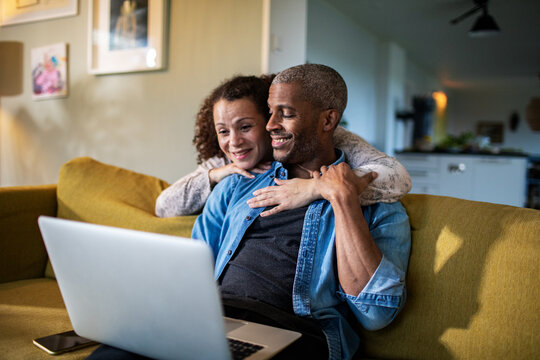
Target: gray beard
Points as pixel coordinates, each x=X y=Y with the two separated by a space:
x=305 y=148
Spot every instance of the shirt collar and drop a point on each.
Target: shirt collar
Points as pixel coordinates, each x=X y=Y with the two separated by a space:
x=281 y=172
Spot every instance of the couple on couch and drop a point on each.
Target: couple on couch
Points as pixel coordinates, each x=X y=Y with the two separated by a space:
x=324 y=250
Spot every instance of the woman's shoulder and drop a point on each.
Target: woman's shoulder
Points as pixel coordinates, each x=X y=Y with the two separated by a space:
x=214 y=162
x=343 y=137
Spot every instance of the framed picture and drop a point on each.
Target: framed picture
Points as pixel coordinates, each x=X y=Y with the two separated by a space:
x=493 y=130
x=49 y=71
x=23 y=11
x=126 y=36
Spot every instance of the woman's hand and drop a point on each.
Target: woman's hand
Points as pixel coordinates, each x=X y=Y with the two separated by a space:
x=290 y=194
x=217 y=174
x=295 y=193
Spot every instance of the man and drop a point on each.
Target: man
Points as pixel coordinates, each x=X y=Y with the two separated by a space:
x=316 y=268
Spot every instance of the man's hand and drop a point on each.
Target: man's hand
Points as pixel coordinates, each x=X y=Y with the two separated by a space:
x=217 y=174
x=340 y=180
x=290 y=194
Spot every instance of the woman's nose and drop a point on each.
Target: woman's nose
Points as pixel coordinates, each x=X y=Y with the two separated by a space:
x=236 y=138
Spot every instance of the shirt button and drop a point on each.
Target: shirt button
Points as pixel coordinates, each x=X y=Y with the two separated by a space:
x=248 y=218
x=282 y=174
x=364 y=308
x=229 y=252
x=271 y=176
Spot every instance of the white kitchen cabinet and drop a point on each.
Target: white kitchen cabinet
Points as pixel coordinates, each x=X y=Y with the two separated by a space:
x=497 y=179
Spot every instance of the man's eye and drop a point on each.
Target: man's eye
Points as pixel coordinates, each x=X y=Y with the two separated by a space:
x=287 y=116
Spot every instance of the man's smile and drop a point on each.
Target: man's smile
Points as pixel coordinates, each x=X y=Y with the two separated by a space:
x=280 y=140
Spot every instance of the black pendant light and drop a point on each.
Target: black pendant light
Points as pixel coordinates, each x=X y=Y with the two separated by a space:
x=484 y=25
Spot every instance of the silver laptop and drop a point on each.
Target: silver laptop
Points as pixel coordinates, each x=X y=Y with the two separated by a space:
x=147 y=293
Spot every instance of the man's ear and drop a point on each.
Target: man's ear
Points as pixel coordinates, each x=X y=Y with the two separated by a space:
x=330 y=119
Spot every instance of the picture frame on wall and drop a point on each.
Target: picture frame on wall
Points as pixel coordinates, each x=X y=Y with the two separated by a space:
x=14 y=12
x=126 y=36
x=492 y=129
x=49 y=71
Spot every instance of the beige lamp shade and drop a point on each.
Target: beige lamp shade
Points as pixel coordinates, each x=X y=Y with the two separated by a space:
x=11 y=68
x=533 y=113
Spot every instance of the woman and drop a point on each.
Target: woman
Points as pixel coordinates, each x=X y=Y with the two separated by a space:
x=231 y=137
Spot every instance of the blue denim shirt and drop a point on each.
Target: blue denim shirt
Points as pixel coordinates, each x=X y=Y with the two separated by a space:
x=316 y=290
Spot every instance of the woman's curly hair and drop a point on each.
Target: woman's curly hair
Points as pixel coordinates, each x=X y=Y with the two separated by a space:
x=238 y=87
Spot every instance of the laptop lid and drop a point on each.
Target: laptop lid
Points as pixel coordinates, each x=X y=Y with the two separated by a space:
x=147 y=293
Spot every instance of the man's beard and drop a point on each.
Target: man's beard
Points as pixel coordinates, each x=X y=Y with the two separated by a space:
x=304 y=148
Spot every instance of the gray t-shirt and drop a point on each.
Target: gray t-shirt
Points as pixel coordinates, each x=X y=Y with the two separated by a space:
x=275 y=239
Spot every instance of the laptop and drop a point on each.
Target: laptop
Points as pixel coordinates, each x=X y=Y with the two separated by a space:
x=147 y=293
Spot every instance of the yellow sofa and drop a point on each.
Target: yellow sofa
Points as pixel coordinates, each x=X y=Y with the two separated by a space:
x=473 y=280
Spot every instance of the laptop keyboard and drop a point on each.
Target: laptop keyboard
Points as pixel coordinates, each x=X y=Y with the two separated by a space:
x=241 y=349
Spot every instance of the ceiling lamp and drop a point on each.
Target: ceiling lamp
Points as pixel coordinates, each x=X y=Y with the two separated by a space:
x=485 y=25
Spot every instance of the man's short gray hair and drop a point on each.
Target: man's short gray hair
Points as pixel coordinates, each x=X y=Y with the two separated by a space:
x=321 y=85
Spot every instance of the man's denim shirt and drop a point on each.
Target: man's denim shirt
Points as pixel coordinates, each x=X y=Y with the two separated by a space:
x=316 y=289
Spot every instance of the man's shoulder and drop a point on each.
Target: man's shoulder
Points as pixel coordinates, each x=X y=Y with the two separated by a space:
x=388 y=211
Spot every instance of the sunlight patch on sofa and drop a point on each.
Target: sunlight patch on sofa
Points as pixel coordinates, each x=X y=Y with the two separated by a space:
x=447 y=245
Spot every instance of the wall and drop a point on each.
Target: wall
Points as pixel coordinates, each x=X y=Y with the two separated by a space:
x=335 y=40
x=142 y=121
x=378 y=72
x=495 y=101
x=288 y=27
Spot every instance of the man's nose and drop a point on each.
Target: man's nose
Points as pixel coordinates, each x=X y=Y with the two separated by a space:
x=273 y=123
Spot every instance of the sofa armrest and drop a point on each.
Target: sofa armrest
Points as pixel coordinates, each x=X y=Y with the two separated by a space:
x=22 y=252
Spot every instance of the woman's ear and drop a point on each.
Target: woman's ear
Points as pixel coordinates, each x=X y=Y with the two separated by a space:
x=331 y=119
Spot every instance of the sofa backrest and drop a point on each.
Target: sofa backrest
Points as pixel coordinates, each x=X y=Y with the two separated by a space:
x=98 y=193
x=473 y=284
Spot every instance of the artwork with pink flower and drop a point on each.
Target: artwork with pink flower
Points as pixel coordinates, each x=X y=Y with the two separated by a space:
x=49 y=71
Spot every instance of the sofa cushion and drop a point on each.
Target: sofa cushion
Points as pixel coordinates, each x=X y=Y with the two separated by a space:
x=94 y=192
x=473 y=284
x=31 y=309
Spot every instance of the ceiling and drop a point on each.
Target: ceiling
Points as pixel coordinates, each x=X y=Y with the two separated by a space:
x=423 y=29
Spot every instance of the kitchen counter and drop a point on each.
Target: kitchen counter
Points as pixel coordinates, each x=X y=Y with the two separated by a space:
x=496 y=178
x=468 y=153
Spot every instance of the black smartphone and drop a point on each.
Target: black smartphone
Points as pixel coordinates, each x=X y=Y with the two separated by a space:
x=63 y=342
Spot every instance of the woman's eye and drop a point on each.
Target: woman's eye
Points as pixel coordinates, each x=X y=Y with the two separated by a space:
x=223 y=132
x=245 y=127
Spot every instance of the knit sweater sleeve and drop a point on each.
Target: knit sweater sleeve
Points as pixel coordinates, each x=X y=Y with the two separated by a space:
x=393 y=180
x=188 y=195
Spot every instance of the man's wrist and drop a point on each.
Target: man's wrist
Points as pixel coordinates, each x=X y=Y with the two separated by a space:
x=343 y=196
